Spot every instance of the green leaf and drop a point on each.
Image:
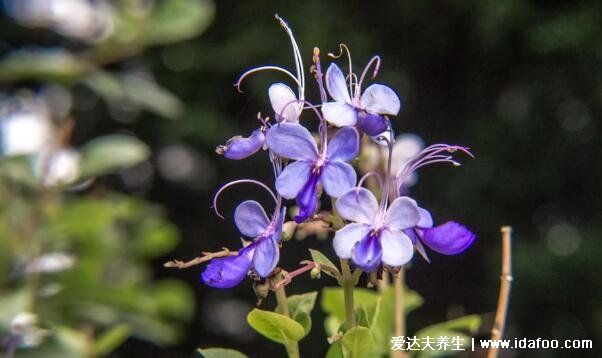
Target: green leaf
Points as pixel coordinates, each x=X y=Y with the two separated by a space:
x=137 y=90
x=332 y=300
x=112 y=152
x=219 y=353
x=178 y=20
x=455 y=329
x=53 y=65
x=300 y=307
x=112 y=339
x=275 y=326
x=335 y=351
x=384 y=315
x=357 y=342
x=325 y=264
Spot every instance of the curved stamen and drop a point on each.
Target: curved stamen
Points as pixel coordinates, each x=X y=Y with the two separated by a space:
x=241 y=181
x=264 y=68
x=296 y=55
x=343 y=47
x=386 y=188
x=367 y=175
x=430 y=155
x=373 y=61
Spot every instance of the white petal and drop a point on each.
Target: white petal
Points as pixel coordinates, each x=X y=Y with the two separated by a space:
x=345 y=238
x=380 y=99
x=358 y=204
x=336 y=84
x=339 y=114
x=402 y=213
x=282 y=98
x=397 y=247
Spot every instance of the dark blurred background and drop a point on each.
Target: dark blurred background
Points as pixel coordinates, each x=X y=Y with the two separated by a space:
x=519 y=82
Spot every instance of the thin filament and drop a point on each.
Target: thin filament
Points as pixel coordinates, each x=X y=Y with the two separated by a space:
x=241 y=181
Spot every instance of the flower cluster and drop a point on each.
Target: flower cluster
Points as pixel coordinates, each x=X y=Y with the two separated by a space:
x=376 y=233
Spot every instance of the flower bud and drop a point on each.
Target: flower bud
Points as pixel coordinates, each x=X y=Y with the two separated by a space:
x=239 y=147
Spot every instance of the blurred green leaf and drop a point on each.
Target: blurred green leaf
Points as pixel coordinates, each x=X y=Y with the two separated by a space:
x=335 y=351
x=174 y=299
x=300 y=307
x=275 y=326
x=105 y=154
x=178 y=20
x=111 y=339
x=219 y=353
x=382 y=322
x=135 y=89
x=326 y=265
x=51 y=65
x=11 y=304
x=453 y=329
x=357 y=342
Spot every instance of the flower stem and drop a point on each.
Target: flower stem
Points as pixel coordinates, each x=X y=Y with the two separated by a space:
x=400 y=326
x=348 y=283
x=505 y=284
x=292 y=347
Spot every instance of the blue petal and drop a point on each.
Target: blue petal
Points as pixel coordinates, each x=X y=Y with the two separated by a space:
x=339 y=114
x=293 y=141
x=292 y=179
x=450 y=238
x=397 y=247
x=266 y=256
x=239 y=147
x=307 y=199
x=344 y=146
x=367 y=253
x=346 y=237
x=402 y=214
x=372 y=124
x=380 y=99
x=336 y=84
x=250 y=218
x=357 y=204
x=337 y=178
x=426 y=220
x=228 y=271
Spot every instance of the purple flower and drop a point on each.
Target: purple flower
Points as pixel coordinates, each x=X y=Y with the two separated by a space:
x=377 y=234
x=450 y=238
x=262 y=254
x=328 y=166
x=240 y=147
x=367 y=110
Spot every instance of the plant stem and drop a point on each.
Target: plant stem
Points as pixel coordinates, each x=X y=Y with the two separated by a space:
x=505 y=284
x=400 y=321
x=292 y=347
x=348 y=283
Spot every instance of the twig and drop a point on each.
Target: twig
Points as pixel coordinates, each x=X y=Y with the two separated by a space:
x=505 y=283
x=207 y=256
x=309 y=265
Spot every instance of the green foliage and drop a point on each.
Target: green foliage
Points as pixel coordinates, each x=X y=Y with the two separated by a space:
x=460 y=328
x=326 y=265
x=357 y=342
x=375 y=309
x=219 y=353
x=300 y=307
x=106 y=154
x=277 y=327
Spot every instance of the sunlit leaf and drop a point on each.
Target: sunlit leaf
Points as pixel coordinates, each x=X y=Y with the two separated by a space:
x=105 y=154
x=326 y=265
x=178 y=20
x=300 y=307
x=357 y=342
x=219 y=353
x=111 y=339
x=275 y=326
